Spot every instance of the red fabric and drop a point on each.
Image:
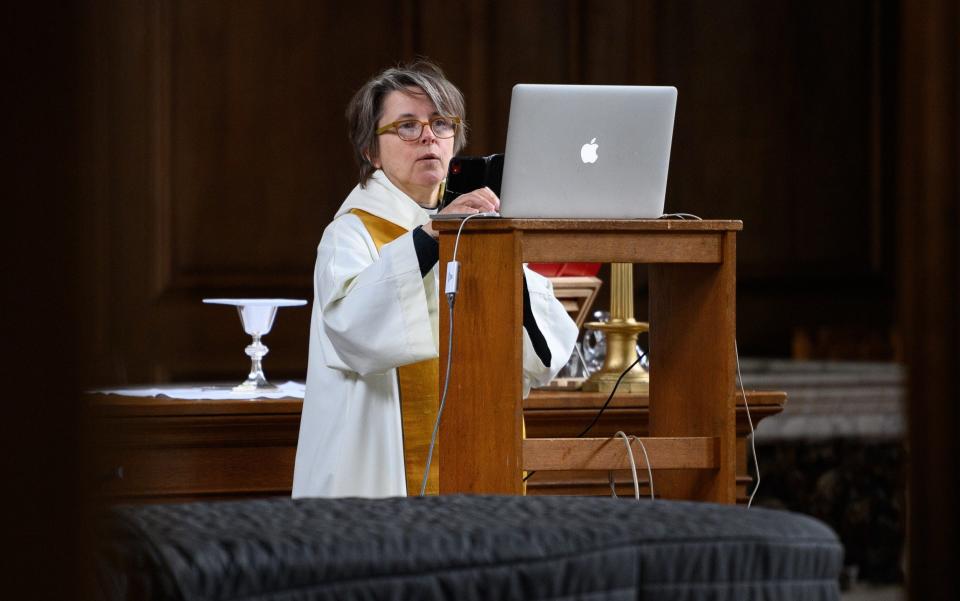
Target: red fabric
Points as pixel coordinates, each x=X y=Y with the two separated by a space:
x=551 y=270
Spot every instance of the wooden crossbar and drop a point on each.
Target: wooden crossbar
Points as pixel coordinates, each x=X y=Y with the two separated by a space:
x=611 y=453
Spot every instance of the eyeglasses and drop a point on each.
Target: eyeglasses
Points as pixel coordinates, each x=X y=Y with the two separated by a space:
x=411 y=129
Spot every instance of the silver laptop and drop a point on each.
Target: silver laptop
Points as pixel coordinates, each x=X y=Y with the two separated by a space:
x=587 y=151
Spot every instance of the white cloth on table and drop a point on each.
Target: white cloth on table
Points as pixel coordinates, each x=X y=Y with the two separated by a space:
x=200 y=392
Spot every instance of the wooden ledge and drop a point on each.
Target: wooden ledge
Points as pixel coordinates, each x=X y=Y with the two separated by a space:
x=588 y=225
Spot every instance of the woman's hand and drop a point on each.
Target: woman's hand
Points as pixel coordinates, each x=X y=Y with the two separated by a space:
x=482 y=200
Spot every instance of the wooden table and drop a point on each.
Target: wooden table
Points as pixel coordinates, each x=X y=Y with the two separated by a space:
x=692 y=329
x=153 y=449
x=157 y=449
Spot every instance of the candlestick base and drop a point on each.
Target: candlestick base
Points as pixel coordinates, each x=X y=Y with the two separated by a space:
x=621 y=337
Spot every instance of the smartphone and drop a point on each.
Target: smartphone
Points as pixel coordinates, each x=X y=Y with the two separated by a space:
x=467 y=174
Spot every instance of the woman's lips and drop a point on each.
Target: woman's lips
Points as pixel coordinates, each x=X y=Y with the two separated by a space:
x=429 y=157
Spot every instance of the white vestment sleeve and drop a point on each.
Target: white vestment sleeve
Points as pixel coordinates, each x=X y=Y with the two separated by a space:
x=374 y=310
x=558 y=329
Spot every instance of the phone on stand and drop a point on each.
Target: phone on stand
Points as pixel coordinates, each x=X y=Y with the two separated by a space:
x=467 y=174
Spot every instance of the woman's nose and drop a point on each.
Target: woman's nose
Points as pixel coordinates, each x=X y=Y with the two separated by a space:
x=427 y=136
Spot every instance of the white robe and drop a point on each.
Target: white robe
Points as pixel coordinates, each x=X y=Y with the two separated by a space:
x=373 y=312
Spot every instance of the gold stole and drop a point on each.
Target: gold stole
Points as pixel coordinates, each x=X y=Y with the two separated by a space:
x=418 y=387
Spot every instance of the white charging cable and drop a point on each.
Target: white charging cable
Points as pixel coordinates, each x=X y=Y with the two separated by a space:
x=746 y=403
x=683 y=216
x=451 y=285
x=646 y=458
x=633 y=466
x=753 y=437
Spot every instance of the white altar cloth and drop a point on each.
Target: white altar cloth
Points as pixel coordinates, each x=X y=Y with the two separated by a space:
x=206 y=391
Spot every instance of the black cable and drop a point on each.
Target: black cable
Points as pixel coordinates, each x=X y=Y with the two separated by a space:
x=609 y=398
x=605 y=404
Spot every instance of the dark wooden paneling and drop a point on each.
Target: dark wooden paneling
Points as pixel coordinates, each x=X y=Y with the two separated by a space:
x=778 y=124
x=773 y=126
x=219 y=150
x=220 y=154
x=258 y=153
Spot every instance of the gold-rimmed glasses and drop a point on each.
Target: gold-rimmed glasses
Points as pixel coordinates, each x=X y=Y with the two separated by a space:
x=411 y=129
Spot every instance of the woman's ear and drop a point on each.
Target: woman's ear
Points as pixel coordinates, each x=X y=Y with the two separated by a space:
x=374 y=162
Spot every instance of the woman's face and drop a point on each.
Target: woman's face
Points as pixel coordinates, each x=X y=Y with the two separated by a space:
x=417 y=167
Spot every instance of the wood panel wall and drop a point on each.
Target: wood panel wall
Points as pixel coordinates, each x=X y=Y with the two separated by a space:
x=928 y=188
x=216 y=152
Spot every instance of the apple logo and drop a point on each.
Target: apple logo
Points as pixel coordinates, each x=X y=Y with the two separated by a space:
x=588 y=152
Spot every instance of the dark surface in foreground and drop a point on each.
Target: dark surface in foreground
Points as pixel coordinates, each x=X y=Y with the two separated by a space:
x=462 y=547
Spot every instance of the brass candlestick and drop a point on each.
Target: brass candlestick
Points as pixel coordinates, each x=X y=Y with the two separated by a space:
x=621 y=335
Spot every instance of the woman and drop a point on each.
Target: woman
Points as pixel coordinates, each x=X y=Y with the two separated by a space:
x=374 y=331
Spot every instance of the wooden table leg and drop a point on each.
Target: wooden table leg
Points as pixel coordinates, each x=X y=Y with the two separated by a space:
x=692 y=330
x=480 y=435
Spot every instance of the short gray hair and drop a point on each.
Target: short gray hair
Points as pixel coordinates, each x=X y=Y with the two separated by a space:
x=366 y=107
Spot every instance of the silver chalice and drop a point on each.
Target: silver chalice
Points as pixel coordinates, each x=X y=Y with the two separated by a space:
x=256 y=315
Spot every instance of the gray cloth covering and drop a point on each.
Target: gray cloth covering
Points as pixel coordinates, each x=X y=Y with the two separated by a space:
x=466 y=548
